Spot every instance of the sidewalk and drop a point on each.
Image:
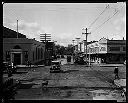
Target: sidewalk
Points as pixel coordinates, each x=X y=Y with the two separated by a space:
x=120 y=83
x=24 y=66
x=107 y=65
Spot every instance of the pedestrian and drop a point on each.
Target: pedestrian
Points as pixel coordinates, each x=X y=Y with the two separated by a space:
x=116 y=73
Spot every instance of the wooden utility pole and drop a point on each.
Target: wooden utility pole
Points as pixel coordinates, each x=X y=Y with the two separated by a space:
x=44 y=38
x=86 y=33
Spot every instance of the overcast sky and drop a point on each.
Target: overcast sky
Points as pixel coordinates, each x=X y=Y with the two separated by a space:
x=65 y=21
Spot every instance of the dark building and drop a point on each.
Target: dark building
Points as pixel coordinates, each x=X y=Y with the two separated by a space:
x=20 y=50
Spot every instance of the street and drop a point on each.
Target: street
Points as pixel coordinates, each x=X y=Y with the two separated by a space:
x=76 y=82
x=61 y=51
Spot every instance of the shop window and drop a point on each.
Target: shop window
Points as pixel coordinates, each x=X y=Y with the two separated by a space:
x=114 y=48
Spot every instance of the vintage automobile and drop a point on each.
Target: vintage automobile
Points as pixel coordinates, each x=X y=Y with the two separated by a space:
x=55 y=66
x=80 y=60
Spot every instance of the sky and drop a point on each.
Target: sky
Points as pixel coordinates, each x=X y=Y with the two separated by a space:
x=65 y=21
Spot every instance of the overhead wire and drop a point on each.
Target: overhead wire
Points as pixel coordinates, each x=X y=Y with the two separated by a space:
x=107 y=20
x=99 y=15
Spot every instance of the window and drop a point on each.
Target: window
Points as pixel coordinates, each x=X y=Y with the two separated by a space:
x=124 y=48
x=114 y=48
x=7 y=56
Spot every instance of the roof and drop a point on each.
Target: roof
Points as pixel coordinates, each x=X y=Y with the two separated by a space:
x=9 y=33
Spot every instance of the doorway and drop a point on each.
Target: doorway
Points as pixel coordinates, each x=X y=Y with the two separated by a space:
x=17 y=58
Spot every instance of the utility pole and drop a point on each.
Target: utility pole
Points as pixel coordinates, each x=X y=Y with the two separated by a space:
x=86 y=33
x=17 y=29
x=43 y=38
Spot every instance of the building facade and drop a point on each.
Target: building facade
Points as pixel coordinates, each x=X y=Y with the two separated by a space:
x=107 y=51
x=21 y=50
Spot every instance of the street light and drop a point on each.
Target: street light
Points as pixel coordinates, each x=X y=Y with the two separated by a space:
x=85 y=40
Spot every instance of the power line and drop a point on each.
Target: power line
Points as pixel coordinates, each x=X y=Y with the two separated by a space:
x=99 y=15
x=107 y=20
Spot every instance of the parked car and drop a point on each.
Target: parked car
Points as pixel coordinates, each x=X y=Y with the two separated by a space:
x=80 y=60
x=55 y=66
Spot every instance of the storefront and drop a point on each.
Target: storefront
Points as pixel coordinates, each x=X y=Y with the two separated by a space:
x=107 y=51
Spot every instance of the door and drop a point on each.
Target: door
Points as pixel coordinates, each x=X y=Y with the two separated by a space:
x=17 y=58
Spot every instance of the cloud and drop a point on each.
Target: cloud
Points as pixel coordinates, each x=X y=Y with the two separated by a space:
x=119 y=25
x=31 y=29
x=65 y=35
x=23 y=25
x=63 y=38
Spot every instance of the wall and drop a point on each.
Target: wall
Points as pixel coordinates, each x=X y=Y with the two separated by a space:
x=26 y=45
